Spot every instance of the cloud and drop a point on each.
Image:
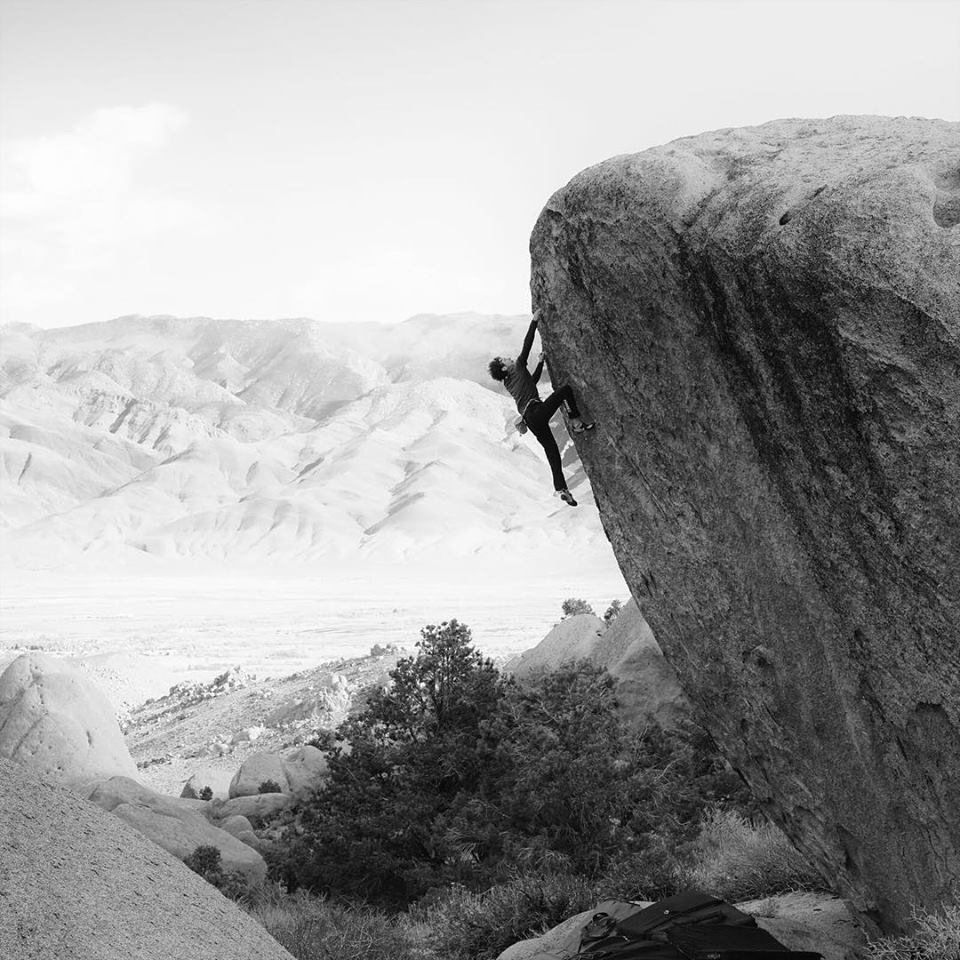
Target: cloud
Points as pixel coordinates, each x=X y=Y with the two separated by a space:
x=73 y=203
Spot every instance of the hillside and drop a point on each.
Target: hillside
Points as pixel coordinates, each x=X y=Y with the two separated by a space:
x=229 y=440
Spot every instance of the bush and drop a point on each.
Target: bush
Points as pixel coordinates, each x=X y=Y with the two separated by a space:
x=205 y=861
x=480 y=926
x=310 y=928
x=936 y=937
x=613 y=611
x=572 y=606
x=270 y=786
x=735 y=860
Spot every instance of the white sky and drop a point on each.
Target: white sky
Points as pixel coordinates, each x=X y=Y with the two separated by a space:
x=372 y=159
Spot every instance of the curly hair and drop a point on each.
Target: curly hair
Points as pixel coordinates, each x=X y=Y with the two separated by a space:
x=497 y=369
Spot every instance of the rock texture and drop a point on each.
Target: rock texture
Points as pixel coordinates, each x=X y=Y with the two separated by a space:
x=77 y=884
x=647 y=685
x=766 y=324
x=54 y=719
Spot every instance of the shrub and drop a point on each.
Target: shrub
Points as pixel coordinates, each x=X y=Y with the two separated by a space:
x=936 y=937
x=206 y=794
x=480 y=926
x=572 y=606
x=612 y=612
x=205 y=860
x=375 y=829
x=270 y=786
x=310 y=928
x=735 y=860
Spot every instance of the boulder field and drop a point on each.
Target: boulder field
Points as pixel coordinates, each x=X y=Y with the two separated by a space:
x=765 y=323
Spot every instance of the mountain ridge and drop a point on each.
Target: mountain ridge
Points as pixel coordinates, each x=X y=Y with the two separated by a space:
x=177 y=437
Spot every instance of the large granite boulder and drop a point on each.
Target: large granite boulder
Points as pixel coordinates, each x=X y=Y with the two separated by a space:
x=765 y=323
x=178 y=825
x=55 y=720
x=78 y=884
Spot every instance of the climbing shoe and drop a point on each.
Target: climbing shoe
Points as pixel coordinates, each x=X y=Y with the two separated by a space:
x=578 y=426
x=567 y=497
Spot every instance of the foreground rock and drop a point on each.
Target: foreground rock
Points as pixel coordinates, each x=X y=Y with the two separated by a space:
x=55 y=720
x=815 y=922
x=78 y=884
x=766 y=325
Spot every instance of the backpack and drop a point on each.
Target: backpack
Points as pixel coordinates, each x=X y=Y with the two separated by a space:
x=688 y=926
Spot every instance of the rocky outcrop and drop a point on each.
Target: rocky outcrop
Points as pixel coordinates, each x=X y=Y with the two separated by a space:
x=77 y=884
x=573 y=638
x=55 y=720
x=647 y=687
x=766 y=325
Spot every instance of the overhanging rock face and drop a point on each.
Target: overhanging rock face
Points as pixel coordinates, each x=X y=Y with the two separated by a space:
x=766 y=324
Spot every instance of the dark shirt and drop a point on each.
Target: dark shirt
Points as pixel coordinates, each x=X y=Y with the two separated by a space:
x=519 y=381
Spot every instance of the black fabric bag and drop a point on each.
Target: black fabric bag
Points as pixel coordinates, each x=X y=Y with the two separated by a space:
x=688 y=926
x=720 y=942
x=683 y=908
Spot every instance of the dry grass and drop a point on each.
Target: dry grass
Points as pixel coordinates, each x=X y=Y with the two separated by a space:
x=735 y=860
x=312 y=928
x=936 y=937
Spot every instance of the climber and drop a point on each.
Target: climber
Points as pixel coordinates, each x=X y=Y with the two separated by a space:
x=536 y=413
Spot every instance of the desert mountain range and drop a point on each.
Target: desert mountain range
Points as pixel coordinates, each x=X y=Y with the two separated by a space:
x=196 y=438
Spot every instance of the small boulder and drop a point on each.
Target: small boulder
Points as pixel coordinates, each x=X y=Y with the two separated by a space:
x=257 y=769
x=263 y=806
x=242 y=829
x=55 y=720
x=304 y=767
x=217 y=779
x=248 y=735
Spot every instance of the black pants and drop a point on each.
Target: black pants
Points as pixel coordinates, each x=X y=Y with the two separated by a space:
x=537 y=418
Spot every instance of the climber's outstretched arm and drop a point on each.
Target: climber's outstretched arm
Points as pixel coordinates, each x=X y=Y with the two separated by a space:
x=538 y=369
x=528 y=340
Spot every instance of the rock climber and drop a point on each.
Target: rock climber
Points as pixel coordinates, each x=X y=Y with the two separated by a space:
x=536 y=413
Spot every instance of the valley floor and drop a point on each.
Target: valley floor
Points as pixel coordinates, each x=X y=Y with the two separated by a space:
x=152 y=628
